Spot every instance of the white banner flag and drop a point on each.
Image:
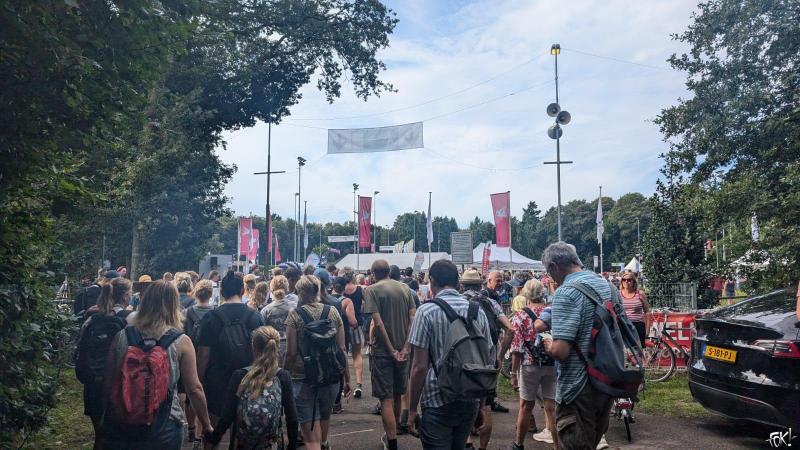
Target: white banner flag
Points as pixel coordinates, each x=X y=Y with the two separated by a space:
x=369 y=140
x=599 y=219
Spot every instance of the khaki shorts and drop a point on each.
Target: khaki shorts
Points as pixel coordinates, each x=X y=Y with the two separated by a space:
x=531 y=377
x=583 y=422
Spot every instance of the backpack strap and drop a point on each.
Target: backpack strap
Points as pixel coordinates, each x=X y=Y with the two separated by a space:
x=472 y=313
x=168 y=338
x=588 y=291
x=301 y=311
x=326 y=311
x=530 y=314
x=133 y=336
x=449 y=311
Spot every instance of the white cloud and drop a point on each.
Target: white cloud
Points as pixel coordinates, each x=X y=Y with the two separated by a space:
x=444 y=47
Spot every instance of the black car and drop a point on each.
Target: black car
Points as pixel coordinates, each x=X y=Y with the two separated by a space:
x=746 y=360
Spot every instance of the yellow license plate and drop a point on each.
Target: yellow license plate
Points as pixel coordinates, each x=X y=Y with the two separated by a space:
x=720 y=354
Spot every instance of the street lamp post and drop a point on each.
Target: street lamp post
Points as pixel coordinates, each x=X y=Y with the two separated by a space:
x=268 y=237
x=555 y=132
x=296 y=220
x=300 y=163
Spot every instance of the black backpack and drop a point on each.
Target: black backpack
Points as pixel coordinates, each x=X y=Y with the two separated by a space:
x=537 y=350
x=614 y=363
x=85 y=299
x=194 y=330
x=485 y=303
x=323 y=359
x=234 y=338
x=92 y=351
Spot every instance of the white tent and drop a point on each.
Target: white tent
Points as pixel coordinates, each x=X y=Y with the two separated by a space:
x=634 y=266
x=363 y=262
x=501 y=258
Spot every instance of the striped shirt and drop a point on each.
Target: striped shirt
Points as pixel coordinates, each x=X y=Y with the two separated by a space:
x=429 y=331
x=573 y=314
x=633 y=307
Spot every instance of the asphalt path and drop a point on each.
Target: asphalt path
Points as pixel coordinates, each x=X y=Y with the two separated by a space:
x=358 y=429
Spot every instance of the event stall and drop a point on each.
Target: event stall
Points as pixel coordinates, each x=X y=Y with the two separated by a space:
x=363 y=261
x=501 y=258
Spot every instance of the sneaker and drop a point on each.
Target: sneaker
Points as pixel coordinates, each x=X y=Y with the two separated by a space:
x=337 y=408
x=515 y=446
x=602 y=444
x=376 y=410
x=197 y=444
x=497 y=407
x=544 y=436
x=325 y=446
x=357 y=391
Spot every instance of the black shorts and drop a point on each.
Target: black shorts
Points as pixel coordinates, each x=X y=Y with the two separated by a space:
x=389 y=378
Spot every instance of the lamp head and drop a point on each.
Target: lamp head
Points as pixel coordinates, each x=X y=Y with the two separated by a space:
x=555 y=49
x=355 y=186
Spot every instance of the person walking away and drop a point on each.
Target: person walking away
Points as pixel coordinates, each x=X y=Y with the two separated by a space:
x=258 y=399
x=259 y=299
x=471 y=281
x=143 y=412
x=531 y=367
x=392 y=307
x=214 y=277
x=582 y=412
x=224 y=341
x=636 y=306
x=355 y=293
x=292 y=275
x=168 y=276
x=327 y=299
x=94 y=341
x=315 y=357
x=249 y=287
x=203 y=292
x=275 y=313
x=183 y=281
x=445 y=422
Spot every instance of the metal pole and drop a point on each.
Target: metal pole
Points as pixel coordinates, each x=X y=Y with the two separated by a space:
x=638 y=234
x=724 y=253
x=375 y=218
x=305 y=229
x=296 y=219
x=299 y=197
x=414 y=236
x=600 y=199
x=268 y=252
x=426 y=232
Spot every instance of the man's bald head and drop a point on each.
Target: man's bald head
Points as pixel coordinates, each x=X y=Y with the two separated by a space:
x=495 y=279
x=380 y=269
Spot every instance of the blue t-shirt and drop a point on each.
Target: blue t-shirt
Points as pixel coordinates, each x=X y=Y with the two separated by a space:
x=572 y=317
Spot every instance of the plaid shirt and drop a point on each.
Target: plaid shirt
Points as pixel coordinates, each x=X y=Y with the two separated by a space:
x=429 y=331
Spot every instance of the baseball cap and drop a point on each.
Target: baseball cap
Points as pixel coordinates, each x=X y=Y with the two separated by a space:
x=323 y=275
x=516 y=282
x=471 y=276
x=110 y=274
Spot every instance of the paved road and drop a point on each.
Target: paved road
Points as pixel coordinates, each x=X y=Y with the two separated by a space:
x=358 y=429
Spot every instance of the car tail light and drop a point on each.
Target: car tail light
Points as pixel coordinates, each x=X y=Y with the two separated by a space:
x=780 y=349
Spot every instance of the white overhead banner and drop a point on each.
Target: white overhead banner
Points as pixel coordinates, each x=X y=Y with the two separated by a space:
x=332 y=239
x=370 y=140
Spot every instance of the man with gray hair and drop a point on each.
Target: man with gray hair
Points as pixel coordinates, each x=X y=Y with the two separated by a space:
x=582 y=412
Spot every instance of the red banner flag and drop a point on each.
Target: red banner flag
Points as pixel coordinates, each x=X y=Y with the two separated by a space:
x=252 y=252
x=245 y=231
x=364 y=221
x=487 y=252
x=277 y=250
x=501 y=210
x=269 y=234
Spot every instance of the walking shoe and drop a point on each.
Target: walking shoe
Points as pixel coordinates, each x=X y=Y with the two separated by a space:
x=376 y=410
x=602 y=444
x=497 y=407
x=197 y=444
x=515 y=446
x=337 y=408
x=402 y=428
x=505 y=369
x=325 y=446
x=544 y=436
x=190 y=435
x=357 y=391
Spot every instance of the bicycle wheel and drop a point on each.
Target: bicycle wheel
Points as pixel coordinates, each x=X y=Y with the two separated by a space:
x=659 y=362
x=627 y=427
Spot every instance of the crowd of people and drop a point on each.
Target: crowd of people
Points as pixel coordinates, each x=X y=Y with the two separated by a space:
x=263 y=358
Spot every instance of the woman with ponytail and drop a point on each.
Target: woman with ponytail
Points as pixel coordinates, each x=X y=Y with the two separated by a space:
x=258 y=398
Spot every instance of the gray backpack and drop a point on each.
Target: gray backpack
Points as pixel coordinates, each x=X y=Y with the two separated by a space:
x=466 y=370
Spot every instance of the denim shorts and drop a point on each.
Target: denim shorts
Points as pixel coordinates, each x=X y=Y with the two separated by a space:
x=169 y=438
x=304 y=399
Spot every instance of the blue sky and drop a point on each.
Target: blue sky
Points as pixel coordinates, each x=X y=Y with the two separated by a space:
x=444 y=47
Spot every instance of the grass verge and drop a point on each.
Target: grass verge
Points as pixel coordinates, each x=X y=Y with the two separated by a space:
x=67 y=427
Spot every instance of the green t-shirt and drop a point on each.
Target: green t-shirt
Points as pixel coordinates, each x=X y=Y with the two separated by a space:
x=392 y=300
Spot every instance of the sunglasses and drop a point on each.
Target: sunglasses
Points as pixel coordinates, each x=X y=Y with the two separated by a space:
x=628 y=280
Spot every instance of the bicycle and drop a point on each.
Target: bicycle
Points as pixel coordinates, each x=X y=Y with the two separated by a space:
x=660 y=348
x=623 y=409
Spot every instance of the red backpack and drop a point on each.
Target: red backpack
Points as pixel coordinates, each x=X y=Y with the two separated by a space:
x=140 y=397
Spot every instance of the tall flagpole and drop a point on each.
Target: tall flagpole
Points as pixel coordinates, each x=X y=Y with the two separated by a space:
x=600 y=199
x=429 y=240
x=510 y=255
